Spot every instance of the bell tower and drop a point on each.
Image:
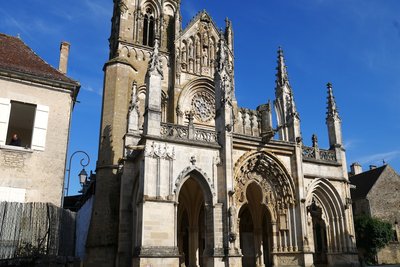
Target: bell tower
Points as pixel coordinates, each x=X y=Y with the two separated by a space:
x=137 y=27
x=139 y=22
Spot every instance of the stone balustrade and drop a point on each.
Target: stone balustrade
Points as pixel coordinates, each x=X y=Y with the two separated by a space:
x=190 y=132
x=316 y=153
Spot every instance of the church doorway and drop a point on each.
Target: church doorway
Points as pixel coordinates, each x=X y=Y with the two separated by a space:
x=319 y=235
x=255 y=229
x=191 y=224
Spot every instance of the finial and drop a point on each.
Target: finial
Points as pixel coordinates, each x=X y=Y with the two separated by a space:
x=155 y=61
x=282 y=77
x=227 y=22
x=332 y=112
x=314 y=140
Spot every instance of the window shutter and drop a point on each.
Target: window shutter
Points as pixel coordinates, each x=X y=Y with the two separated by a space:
x=40 y=127
x=5 y=108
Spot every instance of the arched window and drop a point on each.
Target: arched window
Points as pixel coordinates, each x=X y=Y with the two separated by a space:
x=148 y=28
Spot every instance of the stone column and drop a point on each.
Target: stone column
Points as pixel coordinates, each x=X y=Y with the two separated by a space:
x=194 y=252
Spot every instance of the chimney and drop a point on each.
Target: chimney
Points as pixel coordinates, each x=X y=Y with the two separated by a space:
x=355 y=168
x=64 y=52
x=371 y=167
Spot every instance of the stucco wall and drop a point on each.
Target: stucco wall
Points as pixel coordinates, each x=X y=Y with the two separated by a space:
x=40 y=173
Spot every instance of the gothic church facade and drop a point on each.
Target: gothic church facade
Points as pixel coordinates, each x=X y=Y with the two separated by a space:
x=186 y=177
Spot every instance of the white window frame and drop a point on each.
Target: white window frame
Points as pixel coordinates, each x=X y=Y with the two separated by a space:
x=39 y=131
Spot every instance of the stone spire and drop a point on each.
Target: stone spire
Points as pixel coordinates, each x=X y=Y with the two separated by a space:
x=332 y=112
x=282 y=77
x=287 y=116
x=229 y=33
x=333 y=120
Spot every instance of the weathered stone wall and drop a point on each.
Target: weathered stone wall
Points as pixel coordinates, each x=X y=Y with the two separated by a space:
x=390 y=254
x=384 y=199
x=40 y=173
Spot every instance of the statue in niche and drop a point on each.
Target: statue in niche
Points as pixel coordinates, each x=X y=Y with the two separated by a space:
x=184 y=54
x=198 y=49
x=198 y=65
x=205 y=39
x=191 y=49
x=191 y=65
x=205 y=57
x=212 y=51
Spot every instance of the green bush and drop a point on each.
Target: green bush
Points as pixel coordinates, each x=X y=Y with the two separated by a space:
x=372 y=234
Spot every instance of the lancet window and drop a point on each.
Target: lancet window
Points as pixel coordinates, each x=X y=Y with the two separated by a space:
x=148 y=28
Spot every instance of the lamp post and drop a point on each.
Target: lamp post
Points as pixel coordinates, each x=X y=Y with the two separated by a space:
x=83 y=174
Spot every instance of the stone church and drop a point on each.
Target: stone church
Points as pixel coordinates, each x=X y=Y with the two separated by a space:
x=187 y=177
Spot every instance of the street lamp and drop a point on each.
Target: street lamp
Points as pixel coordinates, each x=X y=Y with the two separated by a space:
x=83 y=174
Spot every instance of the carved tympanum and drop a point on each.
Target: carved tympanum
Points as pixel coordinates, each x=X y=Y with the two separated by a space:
x=276 y=184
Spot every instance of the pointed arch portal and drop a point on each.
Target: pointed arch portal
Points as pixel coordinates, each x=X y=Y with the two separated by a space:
x=264 y=192
x=194 y=227
x=327 y=230
x=255 y=229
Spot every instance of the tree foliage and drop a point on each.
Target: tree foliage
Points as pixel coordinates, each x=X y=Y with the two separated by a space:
x=372 y=234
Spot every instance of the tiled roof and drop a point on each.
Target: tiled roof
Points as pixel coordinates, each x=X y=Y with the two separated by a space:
x=15 y=55
x=364 y=182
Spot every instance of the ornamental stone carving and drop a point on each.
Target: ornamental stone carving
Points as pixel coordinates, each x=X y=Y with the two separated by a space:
x=203 y=106
x=276 y=184
x=162 y=151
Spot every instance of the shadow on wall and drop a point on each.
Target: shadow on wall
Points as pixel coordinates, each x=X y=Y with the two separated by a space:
x=106 y=153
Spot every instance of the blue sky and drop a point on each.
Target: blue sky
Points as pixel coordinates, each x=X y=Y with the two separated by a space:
x=352 y=43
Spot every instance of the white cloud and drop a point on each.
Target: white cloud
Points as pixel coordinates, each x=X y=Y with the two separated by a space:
x=98 y=10
x=380 y=157
x=92 y=90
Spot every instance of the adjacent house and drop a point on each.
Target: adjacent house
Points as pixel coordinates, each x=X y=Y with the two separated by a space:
x=376 y=193
x=36 y=102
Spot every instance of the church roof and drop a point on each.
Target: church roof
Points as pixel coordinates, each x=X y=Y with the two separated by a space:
x=365 y=181
x=16 y=56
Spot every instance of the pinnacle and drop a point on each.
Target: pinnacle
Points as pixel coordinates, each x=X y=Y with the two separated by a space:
x=282 y=77
x=332 y=112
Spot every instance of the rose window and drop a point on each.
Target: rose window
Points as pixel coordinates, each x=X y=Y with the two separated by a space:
x=203 y=106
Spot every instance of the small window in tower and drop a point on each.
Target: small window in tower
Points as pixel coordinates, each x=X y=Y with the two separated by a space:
x=20 y=127
x=151 y=32
x=148 y=28
x=145 y=29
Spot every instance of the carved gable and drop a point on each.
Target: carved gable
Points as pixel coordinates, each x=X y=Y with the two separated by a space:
x=196 y=47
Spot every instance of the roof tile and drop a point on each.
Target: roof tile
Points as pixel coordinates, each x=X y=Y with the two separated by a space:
x=15 y=55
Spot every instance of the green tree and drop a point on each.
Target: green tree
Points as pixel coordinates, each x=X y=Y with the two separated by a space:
x=372 y=234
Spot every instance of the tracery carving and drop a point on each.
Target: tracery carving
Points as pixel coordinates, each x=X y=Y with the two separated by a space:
x=162 y=151
x=276 y=184
x=203 y=106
